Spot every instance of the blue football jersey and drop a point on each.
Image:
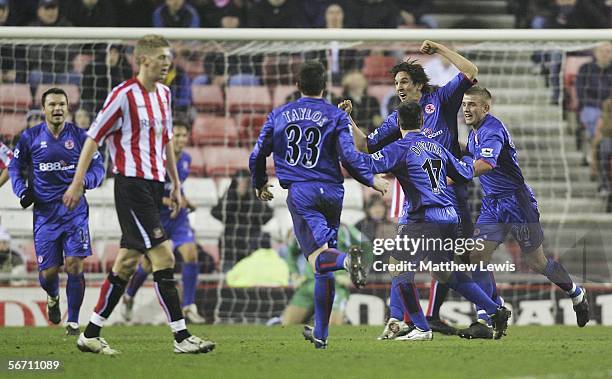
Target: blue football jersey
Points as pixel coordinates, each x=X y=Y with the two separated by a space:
x=440 y=109
x=52 y=162
x=309 y=137
x=421 y=165
x=492 y=143
x=183 y=167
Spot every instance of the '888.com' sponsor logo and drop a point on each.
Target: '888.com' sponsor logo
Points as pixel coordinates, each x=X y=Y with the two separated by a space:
x=55 y=166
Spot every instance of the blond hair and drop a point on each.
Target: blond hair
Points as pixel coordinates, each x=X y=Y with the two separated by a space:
x=148 y=44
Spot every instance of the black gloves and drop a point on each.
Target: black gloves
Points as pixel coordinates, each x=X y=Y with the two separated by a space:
x=27 y=198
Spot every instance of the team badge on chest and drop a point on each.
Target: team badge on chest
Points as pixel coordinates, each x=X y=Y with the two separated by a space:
x=430 y=108
x=69 y=144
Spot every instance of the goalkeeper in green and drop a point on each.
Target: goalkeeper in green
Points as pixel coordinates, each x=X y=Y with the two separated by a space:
x=301 y=305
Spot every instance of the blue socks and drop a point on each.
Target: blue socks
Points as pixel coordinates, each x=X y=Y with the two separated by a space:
x=136 y=281
x=409 y=298
x=324 y=292
x=396 y=308
x=463 y=284
x=486 y=282
x=51 y=286
x=190 y=281
x=330 y=260
x=75 y=290
x=557 y=274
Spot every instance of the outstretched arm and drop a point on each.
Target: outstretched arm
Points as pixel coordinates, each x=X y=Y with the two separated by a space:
x=360 y=139
x=463 y=64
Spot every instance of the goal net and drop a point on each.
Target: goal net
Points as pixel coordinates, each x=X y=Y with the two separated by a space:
x=224 y=89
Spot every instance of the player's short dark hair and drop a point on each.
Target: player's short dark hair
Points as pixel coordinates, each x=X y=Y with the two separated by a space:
x=481 y=92
x=312 y=78
x=410 y=115
x=52 y=91
x=182 y=122
x=415 y=71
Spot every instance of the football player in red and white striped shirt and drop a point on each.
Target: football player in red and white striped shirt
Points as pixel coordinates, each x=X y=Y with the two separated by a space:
x=136 y=123
x=5 y=158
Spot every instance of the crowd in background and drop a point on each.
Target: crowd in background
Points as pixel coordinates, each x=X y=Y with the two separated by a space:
x=286 y=13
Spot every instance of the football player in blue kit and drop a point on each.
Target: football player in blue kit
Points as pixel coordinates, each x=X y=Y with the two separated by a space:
x=508 y=206
x=180 y=232
x=421 y=165
x=308 y=138
x=50 y=152
x=440 y=106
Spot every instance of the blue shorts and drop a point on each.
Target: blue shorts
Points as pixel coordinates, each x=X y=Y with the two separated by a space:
x=178 y=229
x=515 y=212
x=315 y=210
x=59 y=232
x=434 y=227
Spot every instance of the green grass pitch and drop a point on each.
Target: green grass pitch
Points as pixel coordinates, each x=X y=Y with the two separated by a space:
x=354 y=352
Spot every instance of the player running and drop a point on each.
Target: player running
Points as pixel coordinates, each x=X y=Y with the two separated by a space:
x=421 y=165
x=50 y=152
x=440 y=106
x=508 y=206
x=308 y=137
x=5 y=158
x=136 y=123
x=180 y=233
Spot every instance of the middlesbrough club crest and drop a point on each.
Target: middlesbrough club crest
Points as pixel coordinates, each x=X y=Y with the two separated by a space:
x=430 y=108
x=69 y=144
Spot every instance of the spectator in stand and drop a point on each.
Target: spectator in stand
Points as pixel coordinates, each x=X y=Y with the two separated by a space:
x=5 y=10
x=377 y=14
x=366 y=109
x=93 y=13
x=334 y=59
x=243 y=216
x=413 y=14
x=11 y=262
x=50 y=63
x=95 y=75
x=217 y=12
x=593 y=85
x=603 y=140
x=180 y=86
x=133 y=13
x=275 y=14
x=376 y=224
x=48 y=14
x=176 y=14
x=82 y=118
x=561 y=14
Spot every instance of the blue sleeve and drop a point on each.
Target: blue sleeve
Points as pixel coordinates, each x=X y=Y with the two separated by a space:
x=453 y=90
x=461 y=171
x=386 y=133
x=384 y=160
x=157 y=20
x=21 y=161
x=262 y=149
x=95 y=172
x=188 y=159
x=351 y=159
x=491 y=143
